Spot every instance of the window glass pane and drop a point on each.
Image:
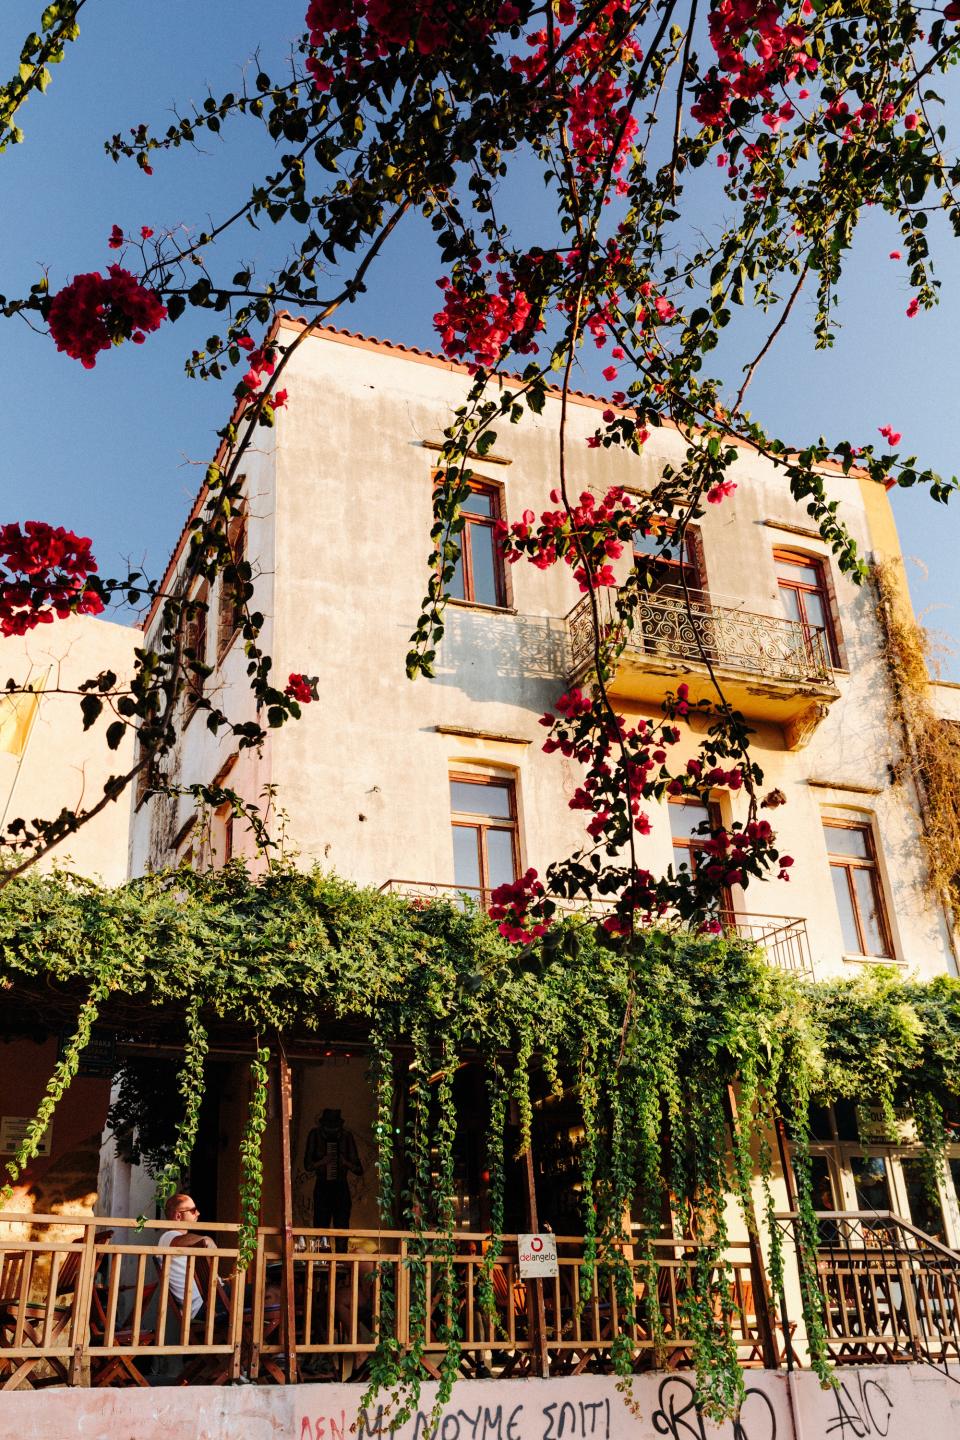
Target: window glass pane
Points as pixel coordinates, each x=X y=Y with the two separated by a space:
x=926 y=1211
x=848 y=924
x=845 y=1113
x=479 y=502
x=868 y=901
x=815 y=611
x=953 y=1166
x=870 y=1182
x=466 y=856
x=820 y=1127
x=824 y=1198
x=822 y=1184
x=485 y=560
x=684 y=820
x=457 y=584
x=480 y=799
x=649 y=544
x=799 y=574
x=790 y=601
x=500 y=866
x=842 y=840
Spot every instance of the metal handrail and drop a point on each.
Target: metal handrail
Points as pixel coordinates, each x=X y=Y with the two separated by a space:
x=782 y=937
x=772 y=646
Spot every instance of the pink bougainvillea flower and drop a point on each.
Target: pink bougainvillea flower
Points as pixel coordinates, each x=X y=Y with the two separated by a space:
x=892 y=437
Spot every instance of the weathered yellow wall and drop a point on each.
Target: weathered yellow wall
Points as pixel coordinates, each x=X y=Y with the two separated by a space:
x=64 y=765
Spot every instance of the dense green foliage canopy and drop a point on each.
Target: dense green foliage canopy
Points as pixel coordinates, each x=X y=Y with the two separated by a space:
x=649 y=1032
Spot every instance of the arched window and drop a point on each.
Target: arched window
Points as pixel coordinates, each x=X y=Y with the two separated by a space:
x=805 y=596
x=485 y=832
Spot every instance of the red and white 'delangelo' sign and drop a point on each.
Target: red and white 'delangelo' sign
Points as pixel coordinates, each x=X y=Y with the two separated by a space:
x=538 y=1256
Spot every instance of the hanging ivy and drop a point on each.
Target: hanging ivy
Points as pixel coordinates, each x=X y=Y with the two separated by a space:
x=650 y=1035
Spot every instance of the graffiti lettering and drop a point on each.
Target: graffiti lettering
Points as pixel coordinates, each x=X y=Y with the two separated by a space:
x=587 y=1420
x=679 y=1416
x=862 y=1414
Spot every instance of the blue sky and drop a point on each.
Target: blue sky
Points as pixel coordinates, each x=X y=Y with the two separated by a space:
x=114 y=452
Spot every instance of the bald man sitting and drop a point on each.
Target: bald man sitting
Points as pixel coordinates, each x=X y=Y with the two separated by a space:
x=181 y=1208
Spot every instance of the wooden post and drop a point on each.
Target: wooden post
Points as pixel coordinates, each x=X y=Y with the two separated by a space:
x=758 y=1274
x=536 y=1312
x=288 y=1319
x=79 y=1371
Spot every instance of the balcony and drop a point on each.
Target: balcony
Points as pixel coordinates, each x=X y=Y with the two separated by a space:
x=96 y=1302
x=771 y=668
x=782 y=938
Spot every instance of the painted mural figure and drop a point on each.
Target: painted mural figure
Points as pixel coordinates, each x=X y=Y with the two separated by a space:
x=331 y=1156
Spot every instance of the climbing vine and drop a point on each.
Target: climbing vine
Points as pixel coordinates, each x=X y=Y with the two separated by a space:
x=933 y=743
x=649 y=1033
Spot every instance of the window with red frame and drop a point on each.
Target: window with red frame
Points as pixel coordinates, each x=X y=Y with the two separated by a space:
x=668 y=573
x=856 y=886
x=485 y=842
x=805 y=596
x=480 y=575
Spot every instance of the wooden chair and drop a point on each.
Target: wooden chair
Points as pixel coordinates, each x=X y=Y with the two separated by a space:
x=39 y=1322
x=204 y=1369
x=117 y=1369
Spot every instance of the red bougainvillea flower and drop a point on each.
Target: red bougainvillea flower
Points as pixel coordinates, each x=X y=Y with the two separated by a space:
x=477 y=324
x=300 y=688
x=913 y=307
x=116 y=238
x=44 y=571
x=892 y=437
x=517 y=907
x=94 y=312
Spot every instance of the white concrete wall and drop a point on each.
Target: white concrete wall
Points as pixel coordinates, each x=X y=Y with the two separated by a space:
x=200 y=755
x=63 y=764
x=904 y=1402
x=364 y=775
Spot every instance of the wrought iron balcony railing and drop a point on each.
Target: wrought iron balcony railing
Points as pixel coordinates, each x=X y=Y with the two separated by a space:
x=666 y=625
x=782 y=938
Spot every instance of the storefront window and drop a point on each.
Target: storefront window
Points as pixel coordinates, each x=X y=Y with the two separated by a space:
x=871 y=1182
x=926 y=1212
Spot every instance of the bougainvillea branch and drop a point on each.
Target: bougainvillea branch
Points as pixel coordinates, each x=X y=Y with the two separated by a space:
x=793 y=119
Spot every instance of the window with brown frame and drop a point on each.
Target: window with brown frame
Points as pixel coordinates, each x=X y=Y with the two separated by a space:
x=221 y=836
x=483 y=813
x=686 y=817
x=805 y=596
x=668 y=573
x=480 y=576
x=195 y=647
x=147 y=777
x=231 y=603
x=856 y=885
